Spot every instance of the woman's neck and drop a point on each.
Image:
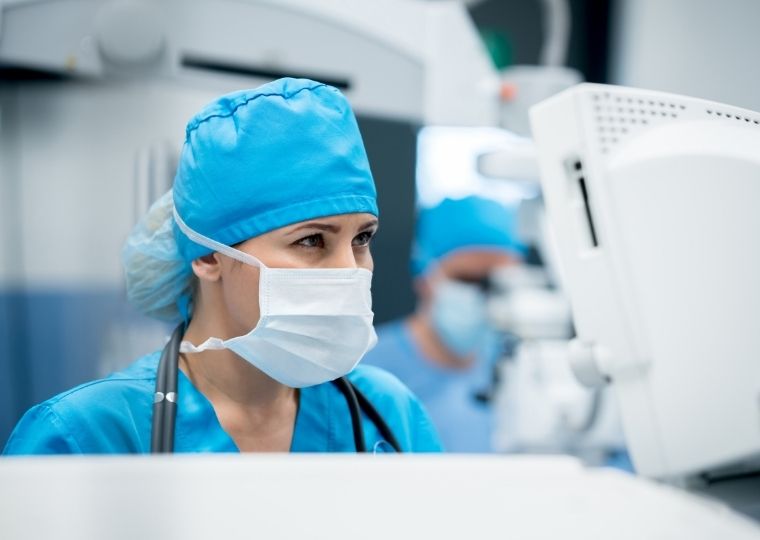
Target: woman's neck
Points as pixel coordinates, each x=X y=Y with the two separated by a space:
x=254 y=409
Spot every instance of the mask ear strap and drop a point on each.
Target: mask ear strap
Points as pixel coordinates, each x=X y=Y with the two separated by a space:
x=216 y=246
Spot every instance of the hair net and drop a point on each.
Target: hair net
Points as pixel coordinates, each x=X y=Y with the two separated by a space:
x=159 y=281
x=460 y=224
x=253 y=161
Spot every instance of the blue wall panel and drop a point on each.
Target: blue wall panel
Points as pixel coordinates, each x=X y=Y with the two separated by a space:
x=53 y=340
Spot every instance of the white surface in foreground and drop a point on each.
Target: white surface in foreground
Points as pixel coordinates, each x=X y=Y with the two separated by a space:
x=330 y=496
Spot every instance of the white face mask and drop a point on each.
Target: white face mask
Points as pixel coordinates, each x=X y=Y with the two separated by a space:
x=459 y=316
x=315 y=324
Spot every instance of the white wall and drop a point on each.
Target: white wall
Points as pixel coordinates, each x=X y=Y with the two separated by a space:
x=69 y=154
x=702 y=48
x=10 y=215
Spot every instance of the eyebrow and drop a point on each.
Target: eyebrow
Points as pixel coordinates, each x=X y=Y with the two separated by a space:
x=328 y=227
x=369 y=225
x=315 y=225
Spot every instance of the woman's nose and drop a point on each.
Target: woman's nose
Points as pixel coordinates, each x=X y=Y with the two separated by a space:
x=342 y=257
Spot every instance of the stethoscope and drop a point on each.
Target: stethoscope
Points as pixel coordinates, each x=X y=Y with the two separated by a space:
x=165 y=403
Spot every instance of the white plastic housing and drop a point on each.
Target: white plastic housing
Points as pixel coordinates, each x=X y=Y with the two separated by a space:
x=405 y=59
x=662 y=258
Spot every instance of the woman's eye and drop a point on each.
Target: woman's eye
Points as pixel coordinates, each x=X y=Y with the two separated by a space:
x=312 y=241
x=362 y=239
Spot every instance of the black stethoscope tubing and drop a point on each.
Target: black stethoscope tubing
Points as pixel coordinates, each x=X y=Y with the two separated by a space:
x=165 y=403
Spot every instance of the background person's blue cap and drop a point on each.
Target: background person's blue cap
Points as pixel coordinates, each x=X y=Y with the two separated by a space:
x=470 y=223
x=260 y=159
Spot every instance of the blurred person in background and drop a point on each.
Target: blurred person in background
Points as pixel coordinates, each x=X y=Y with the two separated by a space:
x=445 y=351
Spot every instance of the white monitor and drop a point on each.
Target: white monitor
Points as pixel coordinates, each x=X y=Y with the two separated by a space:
x=655 y=203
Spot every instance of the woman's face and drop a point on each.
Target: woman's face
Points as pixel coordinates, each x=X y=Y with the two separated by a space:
x=331 y=242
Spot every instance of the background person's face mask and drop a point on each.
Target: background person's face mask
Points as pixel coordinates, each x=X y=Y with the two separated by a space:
x=458 y=315
x=315 y=324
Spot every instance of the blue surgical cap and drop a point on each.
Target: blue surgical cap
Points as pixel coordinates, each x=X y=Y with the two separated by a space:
x=471 y=223
x=253 y=161
x=257 y=160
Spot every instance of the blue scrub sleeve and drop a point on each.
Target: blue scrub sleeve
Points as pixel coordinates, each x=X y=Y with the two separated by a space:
x=40 y=431
x=402 y=411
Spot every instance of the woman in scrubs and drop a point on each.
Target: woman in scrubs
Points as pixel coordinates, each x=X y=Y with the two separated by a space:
x=262 y=248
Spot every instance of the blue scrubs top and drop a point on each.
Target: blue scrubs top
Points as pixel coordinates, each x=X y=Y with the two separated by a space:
x=464 y=422
x=113 y=416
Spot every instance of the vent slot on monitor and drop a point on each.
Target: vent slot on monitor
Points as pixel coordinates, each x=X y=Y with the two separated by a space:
x=618 y=115
x=580 y=203
x=745 y=119
x=587 y=208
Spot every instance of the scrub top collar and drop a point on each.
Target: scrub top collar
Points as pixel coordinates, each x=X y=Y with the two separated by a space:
x=198 y=428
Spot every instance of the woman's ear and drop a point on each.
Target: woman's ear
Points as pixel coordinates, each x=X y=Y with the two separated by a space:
x=208 y=267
